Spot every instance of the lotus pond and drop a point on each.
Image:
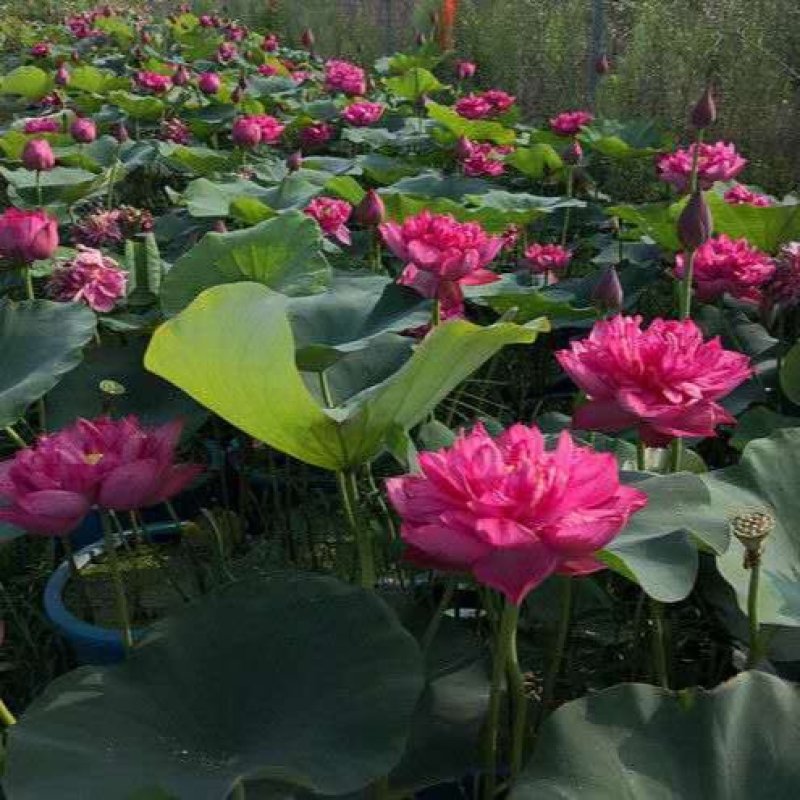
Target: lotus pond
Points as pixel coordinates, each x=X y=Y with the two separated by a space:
x=365 y=438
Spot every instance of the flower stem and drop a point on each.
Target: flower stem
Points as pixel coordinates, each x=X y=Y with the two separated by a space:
x=238 y=792
x=348 y=492
x=685 y=297
x=641 y=456
x=519 y=727
x=659 y=644
x=502 y=648
x=557 y=654
x=754 y=656
x=568 y=210
x=15 y=437
x=39 y=195
x=436 y=313
x=77 y=576
x=123 y=617
x=7 y=719
x=438 y=615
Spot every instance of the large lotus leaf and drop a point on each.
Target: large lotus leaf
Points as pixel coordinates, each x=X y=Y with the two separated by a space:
x=198 y=160
x=207 y=198
x=284 y=253
x=656 y=221
x=528 y=206
x=632 y=139
x=656 y=548
x=301 y=679
x=152 y=399
x=138 y=107
x=233 y=351
x=434 y=184
x=537 y=161
x=28 y=81
x=62 y=184
x=790 y=374
x=356 y=309
x=767 y=477
x=39 y=342
x=385 y=169
x=475 y=130
x=413 y=83
x=758 y=422
x=639 y=742
x=766 y=228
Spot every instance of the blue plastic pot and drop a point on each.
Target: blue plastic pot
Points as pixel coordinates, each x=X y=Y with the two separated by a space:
x=92 y=644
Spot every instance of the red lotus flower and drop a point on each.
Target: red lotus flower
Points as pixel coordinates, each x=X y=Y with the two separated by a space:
x=153 y=82
x=209 y=83
x=42 y=125
x=740 y=195
x=569 y=123
x=491 y=103
x=246 y=133
x=727 y=266
x=783 y=289
x=465 y=69
x=331 y=215
x=27 y=236
x=83 y=130
x=38 y=155
x=91 y=278
x=441 y=254
x=101 y=228
x=342 y=76
x=267 y=70
x=715 y=162
x=316 y=135
x=511 y=512
x=482 y=159
x=175 y=130
x=543 y=259
x=271 y=128
x=363 y=113
x=664 y=381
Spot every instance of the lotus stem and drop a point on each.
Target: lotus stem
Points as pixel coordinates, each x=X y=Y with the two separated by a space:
x=348 y=492
x=568 y=209
x=77 y=576
x=123 y=616
x=7 y=719
x=754 y=655
x=519 y=698
x=438 y=615
x=503 y=644
x=659 y=644
x=15 y=437
x=557 y=655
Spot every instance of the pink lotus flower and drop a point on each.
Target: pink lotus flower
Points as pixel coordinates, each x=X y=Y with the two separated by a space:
x=152 y=82
x=83 y=130
x=37 y=155
x=465 y=69
x=316 y=135
x=91 y=278
x=715 y=162
x=511 y=512
x=270 y=43
x=267 y=70
x=342 y=76
x=664 y=381
x=451 y=309
x=301 y=76
x=441 y=254
x=331 y=215
x=209 y=83
x=727 y=266
x=740 y=195
x=569 y=123
x=138 y=466
x=542 y=259
x=101 y=228
x=783 y=290
x=363 y=113
x=486 y=104
x=175 y=130
x=246 y=133
x=42 y=125
x=40 y=50
x=271 y=129
x=27 y=236
x=482 y=159
x=226 y=52
x=510 y=237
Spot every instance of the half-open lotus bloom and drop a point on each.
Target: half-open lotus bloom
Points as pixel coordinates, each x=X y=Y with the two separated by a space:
x=99 y=229
x=740 y=195
x=331 y=215
x=569 y=123
x=363 y=113
x=316 y=135
x=665 y=381
x=271 y=128
x=715 y=162
x=511 y=512
x=27 y=236
x=91 y=278
x=153 y=82
x=542 y=259
x=342 y=76
x=483 y=159
x=42 y=125
x=441 y=254
x=727 y=266
x=490 y=103
x=783 y=290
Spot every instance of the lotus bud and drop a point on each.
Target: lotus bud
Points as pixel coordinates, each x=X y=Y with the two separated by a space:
x=573 y=154
x=751 y=528
x=236 y=96
x=307 y=39
x=181 y=76
x=220 y=226
x=294 y=161
x=242 y=84
x=603 y=65
x=465 y=69
x=463 y=148
x=38 y=155
x=607 y=293
x=705 y=112
x=371 y=211
x=695 y=223
x=62 y=75
x=83 y=130
x=209 y=83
